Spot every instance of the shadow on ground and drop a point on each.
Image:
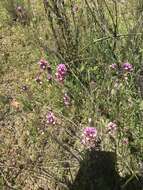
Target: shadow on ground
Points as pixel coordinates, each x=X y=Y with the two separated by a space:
x=98 y=172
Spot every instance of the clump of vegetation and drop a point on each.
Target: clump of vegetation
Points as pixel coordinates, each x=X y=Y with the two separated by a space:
x=71 y=85
x=18 y=10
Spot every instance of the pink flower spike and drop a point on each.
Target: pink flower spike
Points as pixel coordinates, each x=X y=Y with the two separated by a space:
x=59 y=78
x=62 y=69
x=51 y=118
x=127 y=67
x=43 y=64
x=90 y=131
x=61 y=73
x=112 y=127
x=89 y=137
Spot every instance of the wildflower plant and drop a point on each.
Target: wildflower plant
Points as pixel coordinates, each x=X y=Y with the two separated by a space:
x=61 y=73
x=89 y=137
x=111 y=128
x=127 y=67
x=18 y=10
x=51 y=118
x=43 y=64
x=81 y=48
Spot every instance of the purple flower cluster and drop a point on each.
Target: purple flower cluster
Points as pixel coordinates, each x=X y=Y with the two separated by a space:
x=127 y=67
x=51 y=119
x=61 y=72
x=89 y=137
x=112 y=128
x=43 y=64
